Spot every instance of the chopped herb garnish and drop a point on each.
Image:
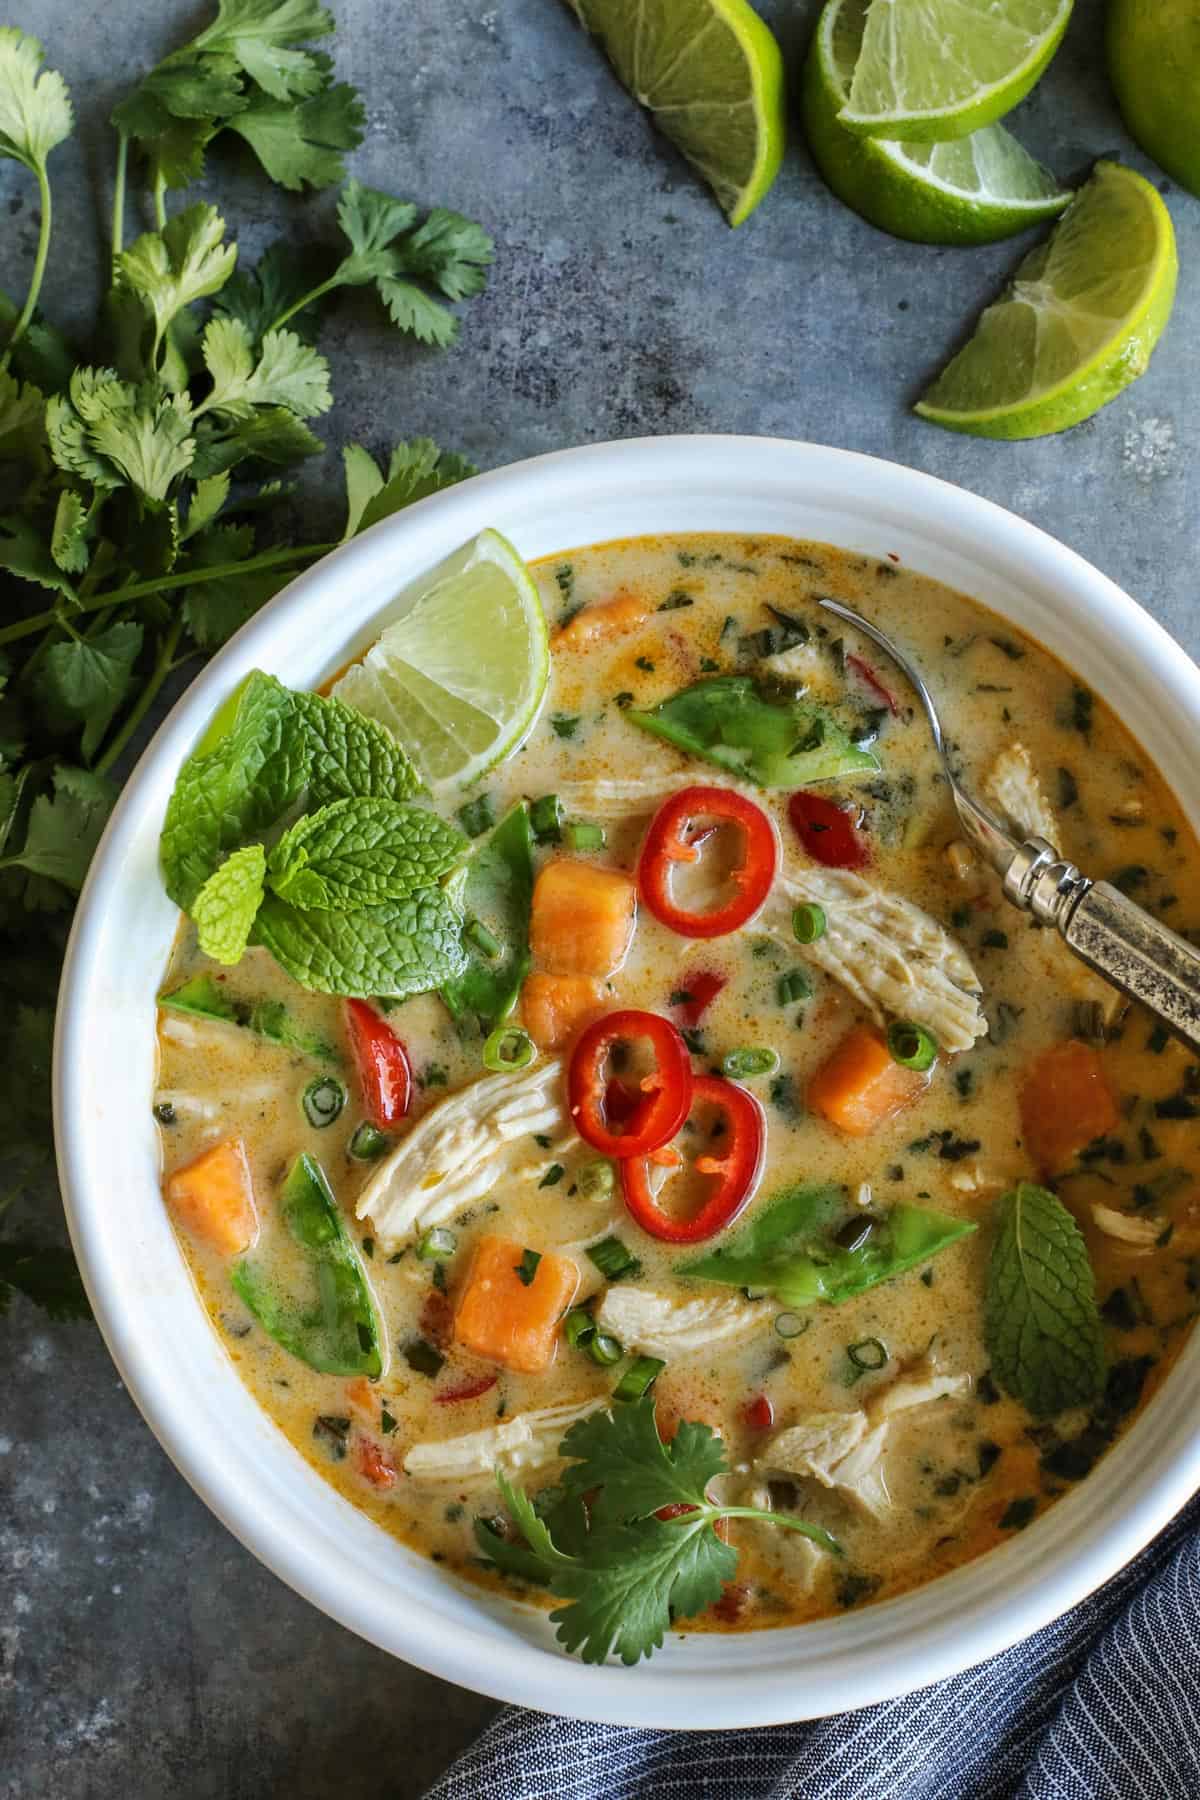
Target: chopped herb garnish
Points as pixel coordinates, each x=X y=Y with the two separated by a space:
x=565 y=725
x=1018 y=1513
x=387 y=1424
x=643 y=663
x=1131 y=877
x=709 y=665
x=331 y=1433
x=1068 y=789
x=1082 y=702
x=676 y=599
x=623 y=699
x=553 y=1176
x=1014 y=652
x=478 y=815
x=527 y=1268
x=613 y=1259
x=421 y=1357
x=994 y=940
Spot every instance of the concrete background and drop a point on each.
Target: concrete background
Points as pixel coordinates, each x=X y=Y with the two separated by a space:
x=142 y=1651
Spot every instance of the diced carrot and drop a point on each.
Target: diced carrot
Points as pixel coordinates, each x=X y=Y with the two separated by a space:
x=582 y=918
x=362 y=1397
x=373 y=1463
x=508 y=1314
x=1065 y=1102
x=606 y=619
x=556 y=1007
x=213 y=1197
x=859 y=1086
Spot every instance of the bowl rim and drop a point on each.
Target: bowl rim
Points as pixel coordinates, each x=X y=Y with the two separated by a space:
x=939 y=1629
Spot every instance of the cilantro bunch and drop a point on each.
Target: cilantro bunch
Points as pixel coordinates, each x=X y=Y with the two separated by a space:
x=144 y=474
x=629 y=1541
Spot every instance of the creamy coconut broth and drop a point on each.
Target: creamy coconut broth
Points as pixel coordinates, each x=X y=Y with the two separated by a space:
x=904 y=1446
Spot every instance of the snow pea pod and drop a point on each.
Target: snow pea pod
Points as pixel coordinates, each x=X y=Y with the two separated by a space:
x=203 y=998
x=769 y=739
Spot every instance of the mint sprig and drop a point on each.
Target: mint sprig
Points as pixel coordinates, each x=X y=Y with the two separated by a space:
x=1041 y=1323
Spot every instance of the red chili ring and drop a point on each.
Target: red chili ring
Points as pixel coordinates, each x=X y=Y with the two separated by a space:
x=665 y=845
x=668 y=1091
x=384 y=1073
x=739 y=1169
x=830 y=833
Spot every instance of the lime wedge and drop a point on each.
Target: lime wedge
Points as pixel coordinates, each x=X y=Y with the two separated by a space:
x=1154 y=65
x=1076 y=324
x=459 y=676
x=711 y=75
x=970 y=191
x=935 y=69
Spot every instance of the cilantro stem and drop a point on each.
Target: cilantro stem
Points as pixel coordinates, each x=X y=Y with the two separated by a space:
x=162 y=668
x=118 y=211
x=706 y=1515
x=39 y=270
x=140 y=590
x=325 y=287
x=160 y=199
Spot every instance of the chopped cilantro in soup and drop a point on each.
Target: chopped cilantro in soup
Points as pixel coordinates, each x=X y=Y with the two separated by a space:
x=629 y=1180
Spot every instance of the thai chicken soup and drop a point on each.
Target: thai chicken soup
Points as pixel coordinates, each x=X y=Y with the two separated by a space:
x=659 y=1174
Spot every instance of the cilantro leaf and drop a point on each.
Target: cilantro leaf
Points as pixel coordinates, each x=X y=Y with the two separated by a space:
x=360 y=852
x=25 y=552
x=35 y=110
x=287 y=372
x=403 y=947
x=150 y=444
x=450 y=252
x=622 y=1452
x=69 y=536
x=415 y=470
x=42 y=354
x=84 y=681
x=208 y=499
x=260 y=36
x=1041 y=1322
x=22 y=416
x=64 y=829
x=626 y=1594
x=370 y=219
x=225 y=907
x=47 y=1276
x=217 y=609
x=298 y=144
x=272 y=435
x=185 y=261
x=260 y=296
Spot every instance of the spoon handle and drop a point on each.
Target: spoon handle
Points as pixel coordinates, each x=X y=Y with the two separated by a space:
x=1122 y=942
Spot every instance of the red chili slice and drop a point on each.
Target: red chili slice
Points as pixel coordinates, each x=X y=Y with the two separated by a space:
x=869 y=678
x=737 y=1168
x=384 y=1073
x=758 y=1413
x=701 y=990
x=468 y=1390
x=831 y=834
x=664 y=1095
x=666 y=844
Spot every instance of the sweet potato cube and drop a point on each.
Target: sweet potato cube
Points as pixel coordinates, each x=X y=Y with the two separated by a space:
x=1065 y=1102
x=555 y=1008
x=859 y=1086
x=606 y=619
x=213 y=1197
x=511 y=1303
x=582 y=919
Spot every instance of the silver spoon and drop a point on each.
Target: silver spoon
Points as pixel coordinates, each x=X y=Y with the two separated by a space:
x=1102 y=926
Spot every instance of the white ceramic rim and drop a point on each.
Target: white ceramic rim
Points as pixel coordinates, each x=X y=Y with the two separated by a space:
x=167 y=1354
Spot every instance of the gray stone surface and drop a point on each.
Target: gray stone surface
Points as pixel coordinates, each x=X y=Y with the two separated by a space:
x=142 y=1651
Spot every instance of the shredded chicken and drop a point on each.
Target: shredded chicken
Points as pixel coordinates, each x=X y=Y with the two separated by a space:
x=807 y=663
x=885 y=951
x=1142 y=1233
x=459 y=1151
x=654 y=1323
x=844 y=1451
x=604 y=795
x=1012 y=785
x=529 y=1441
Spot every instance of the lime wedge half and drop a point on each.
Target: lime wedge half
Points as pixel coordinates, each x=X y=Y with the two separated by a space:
x=1077 y=322
x=460 y=675
x=935 y=69
x=968 y=191
x=711 y=75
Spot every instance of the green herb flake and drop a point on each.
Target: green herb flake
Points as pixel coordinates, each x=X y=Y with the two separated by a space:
x=527 y=1268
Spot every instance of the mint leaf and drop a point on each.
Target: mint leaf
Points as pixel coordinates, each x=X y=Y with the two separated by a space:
x=287 y=372
x=85 y=680
x=352 y=756
x=64 y=829
x=35 y=110
x=235 y=789
x=225 y=907
x=402 y=947
x=1041 y=1323
x=361 y=852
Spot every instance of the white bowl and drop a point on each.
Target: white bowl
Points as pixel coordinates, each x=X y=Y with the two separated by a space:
x=168 y=1354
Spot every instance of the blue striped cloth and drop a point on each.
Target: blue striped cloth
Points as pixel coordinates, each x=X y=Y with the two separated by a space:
x=1104 y=1704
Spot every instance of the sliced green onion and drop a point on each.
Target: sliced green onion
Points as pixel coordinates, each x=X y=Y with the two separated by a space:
x=580 y=835
x=639 y=1377
x=579 y=1328
x=485 y=941
x=791 y=1324
x=546 y=819
x=808 y=924
x=911 y=1045
x=739 y=1065
x=368 y=1142
x=612 y=1258
x=795 y=985
x=437 y=1245
x=507 y=1049
x=596 y=1180
x=605 y=1350
x=478 y=815
x=868 y=1353
x=323 y=1100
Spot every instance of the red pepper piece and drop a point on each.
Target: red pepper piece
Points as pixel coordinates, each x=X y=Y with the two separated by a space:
x=831 y=834
x=701 y=990
x=869 y=678
x=737 y=1169
x=373 y=1463
x=664 y=1096
x=675 y=1509
x=758 y=1413
x=384 y=1073
x=667 y=842
x=467 y=1390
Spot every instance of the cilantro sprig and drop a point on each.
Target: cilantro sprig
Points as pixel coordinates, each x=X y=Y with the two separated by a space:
x=144 y=487
x=625 y=1571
